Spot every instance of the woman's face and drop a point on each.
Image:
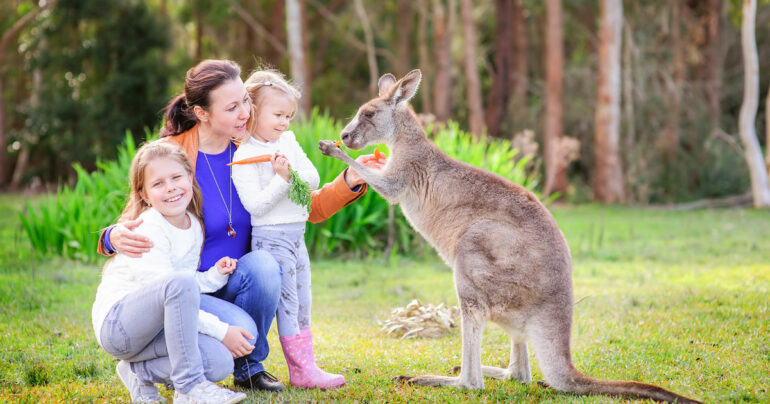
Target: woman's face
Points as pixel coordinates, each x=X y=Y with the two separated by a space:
x=168 y=188
x=273 y=116
x=229 y=110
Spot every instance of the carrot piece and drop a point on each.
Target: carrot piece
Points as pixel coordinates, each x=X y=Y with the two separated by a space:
x=377 y=154
x=337 y=143
x=262 y=158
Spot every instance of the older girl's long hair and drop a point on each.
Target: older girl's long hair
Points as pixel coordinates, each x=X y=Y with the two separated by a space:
x=146 y=154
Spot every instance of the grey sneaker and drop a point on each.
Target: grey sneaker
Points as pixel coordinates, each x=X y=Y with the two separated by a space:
x=141 y=392
x=207 y=392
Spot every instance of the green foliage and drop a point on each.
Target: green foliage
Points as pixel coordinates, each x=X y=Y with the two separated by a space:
x=103 y=72
x=69 y=223
x=299 y=192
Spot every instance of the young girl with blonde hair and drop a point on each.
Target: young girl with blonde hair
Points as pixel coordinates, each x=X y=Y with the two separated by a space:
x=278 y=224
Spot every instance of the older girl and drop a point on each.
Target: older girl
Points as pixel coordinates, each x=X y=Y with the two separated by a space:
x=146 y=310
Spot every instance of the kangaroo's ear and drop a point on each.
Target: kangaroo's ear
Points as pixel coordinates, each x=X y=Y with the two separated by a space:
x=386 y=82
x=406 y=88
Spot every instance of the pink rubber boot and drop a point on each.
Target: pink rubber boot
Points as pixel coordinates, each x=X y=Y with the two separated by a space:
x=303 y=372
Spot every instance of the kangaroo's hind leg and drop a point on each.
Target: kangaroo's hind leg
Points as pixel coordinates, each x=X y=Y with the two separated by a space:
x=470 y=376
x=474 y=314
x=518 y=367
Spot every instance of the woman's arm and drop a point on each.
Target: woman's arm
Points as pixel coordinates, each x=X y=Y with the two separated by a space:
x=123 y=239
x=344 y=190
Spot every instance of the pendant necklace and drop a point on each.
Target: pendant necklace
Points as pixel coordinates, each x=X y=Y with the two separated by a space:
x=228 y=208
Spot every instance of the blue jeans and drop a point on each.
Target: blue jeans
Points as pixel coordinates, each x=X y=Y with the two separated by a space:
x=249 y=300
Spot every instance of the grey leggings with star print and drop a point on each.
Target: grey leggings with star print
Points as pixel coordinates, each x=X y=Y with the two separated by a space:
x=286 y=243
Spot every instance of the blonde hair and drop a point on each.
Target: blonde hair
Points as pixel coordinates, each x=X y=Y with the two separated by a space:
x=259 y=84
x=147 y=153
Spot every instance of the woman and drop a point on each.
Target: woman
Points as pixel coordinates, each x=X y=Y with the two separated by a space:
x=207 y=120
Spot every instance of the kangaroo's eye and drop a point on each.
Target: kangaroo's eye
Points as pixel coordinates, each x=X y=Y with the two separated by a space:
x=369 y=114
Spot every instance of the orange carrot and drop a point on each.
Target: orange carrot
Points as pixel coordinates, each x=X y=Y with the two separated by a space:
x=337 y=143
x=377 y=154
x=262 y=158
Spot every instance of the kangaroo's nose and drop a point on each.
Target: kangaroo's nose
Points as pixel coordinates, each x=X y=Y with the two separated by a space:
x=345 y=135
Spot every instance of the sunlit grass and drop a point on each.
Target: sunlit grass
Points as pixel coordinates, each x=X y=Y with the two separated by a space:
x=677 y=299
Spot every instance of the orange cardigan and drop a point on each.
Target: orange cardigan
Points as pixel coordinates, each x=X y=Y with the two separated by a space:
x=325 y=201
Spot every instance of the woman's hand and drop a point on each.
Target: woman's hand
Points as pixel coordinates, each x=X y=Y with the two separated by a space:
x=352 y=179
x=281 y=166
x=226 y=265
x=125 y=241
x=236 y=341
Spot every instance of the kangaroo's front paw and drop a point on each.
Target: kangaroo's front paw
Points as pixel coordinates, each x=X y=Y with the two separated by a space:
x=328 y=148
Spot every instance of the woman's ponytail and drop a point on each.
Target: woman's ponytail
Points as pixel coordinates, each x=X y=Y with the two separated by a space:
x=179 y=117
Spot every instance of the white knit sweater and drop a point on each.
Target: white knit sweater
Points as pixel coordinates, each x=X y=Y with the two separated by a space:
x=265 y=194
x=174 y=249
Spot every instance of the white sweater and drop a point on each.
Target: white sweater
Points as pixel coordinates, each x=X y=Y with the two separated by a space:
x=263 y=193
x=174 y=249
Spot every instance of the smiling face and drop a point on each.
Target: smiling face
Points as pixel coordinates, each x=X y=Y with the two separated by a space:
x=228 y=112
x=168 y=188
x=273 y=116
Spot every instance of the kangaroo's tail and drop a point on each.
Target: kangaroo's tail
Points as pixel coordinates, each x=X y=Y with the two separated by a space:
x=552 y=348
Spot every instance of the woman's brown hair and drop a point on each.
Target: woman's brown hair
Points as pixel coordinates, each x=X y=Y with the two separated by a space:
x=199 y=82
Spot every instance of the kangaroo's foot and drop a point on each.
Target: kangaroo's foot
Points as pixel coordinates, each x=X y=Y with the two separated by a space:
x=434 y=380
x=500 y=373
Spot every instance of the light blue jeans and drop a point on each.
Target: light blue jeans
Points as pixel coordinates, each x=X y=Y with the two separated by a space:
x=156 y=329
x=249 y=300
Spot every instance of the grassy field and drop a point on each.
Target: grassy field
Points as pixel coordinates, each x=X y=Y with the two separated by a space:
x=678 y=299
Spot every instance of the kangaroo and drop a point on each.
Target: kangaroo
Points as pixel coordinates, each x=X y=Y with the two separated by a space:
x=510 y=261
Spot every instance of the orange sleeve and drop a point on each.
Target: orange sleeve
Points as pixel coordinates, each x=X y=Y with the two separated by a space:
x=331 y=198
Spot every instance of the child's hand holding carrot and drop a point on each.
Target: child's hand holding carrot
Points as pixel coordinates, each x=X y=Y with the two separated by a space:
x=226 y=265
x=281 y=166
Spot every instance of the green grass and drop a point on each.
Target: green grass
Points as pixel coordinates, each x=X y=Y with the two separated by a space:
x=678 y=299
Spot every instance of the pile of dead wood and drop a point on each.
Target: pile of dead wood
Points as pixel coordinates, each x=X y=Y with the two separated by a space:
x=417 y=320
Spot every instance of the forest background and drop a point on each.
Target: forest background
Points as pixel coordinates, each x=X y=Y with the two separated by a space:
x=77 y=74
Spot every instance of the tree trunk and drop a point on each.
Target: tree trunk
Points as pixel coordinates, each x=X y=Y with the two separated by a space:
x=608 y=172
x=404 y=18
x=520 y=74
x=713 y=63
x=670 y=143
x=759 y=184
x=628 y=114
x=767 y=131
x=555 y=165
x=5 y=40
x=500 y=91
x=476 y=115
x=198 y=34
x=296 y=50
x=442 y=33
x=424 y=58
x=371 y=59
x=307 y=82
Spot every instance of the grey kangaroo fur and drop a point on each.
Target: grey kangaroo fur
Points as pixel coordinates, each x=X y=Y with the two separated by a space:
x=510 y=261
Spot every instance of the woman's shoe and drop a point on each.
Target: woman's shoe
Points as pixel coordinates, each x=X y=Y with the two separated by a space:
x=260 y=381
